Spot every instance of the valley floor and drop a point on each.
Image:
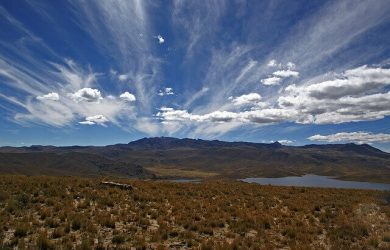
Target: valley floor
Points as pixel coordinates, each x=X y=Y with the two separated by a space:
x=81 y=213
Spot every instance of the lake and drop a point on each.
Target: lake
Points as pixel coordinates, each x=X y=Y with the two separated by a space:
x=317 y=181
x=184 y=180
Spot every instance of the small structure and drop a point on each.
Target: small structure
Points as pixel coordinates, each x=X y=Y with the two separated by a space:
x=119 y=185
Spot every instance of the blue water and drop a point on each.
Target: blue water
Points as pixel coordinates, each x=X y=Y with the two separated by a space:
x=317 y=181
x=185 y=180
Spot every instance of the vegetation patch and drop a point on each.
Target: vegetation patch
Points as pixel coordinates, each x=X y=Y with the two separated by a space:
x=80 y=213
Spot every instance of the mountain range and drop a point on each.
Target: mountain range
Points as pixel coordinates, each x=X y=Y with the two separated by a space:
x=166 y=157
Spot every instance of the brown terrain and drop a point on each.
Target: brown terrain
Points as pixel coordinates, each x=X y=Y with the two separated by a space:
x=83 y=213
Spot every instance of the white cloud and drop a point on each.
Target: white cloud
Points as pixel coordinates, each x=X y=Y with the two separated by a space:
x=286 y=73
x=50 y=96
x=87 y=95
x=356 y=81
x=285 y=142
x=126 y=96
x=273 y=80
x=96 y=119
x=291 y=65
x=166 y=91
x=272 y=63
x=123 y=77
x=115 y=28
x=197 y=26
x=357 y=137
x=263 y=116
x=248 y=99
x=160 y=39
x=196 y=96
x=356 y=95
x=298 y=104
x=278 y=75
x=147 y=125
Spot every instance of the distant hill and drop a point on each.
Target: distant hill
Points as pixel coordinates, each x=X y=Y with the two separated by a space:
x=165 y=157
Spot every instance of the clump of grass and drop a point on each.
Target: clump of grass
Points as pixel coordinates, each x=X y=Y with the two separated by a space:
x=23 y=200
x=3 y=196
x=58 y=233
x=51 y=222
x=21 y=230
x=118 y=239
x=77 y=221
x=105 y=220
x=43 y=243
x=386 y=237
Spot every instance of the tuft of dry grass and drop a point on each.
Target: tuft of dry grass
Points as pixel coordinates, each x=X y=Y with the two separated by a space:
x=79 y=213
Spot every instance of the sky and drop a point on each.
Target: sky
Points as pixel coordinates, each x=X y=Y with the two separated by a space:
x=104 y=72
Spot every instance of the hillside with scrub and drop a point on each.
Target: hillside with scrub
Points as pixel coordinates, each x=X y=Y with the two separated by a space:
x=82 y=213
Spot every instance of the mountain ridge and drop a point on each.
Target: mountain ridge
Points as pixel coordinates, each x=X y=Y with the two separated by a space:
x=156 y=141
x=168 y=157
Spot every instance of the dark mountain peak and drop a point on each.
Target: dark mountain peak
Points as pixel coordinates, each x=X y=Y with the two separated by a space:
x=277 y=144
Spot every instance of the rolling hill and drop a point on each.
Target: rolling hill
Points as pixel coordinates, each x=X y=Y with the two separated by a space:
x=164 y=157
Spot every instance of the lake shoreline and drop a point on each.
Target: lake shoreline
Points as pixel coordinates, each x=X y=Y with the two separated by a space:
x=317 y=181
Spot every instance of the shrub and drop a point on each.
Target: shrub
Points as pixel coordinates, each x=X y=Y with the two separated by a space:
x=43 y=243
x=21 y=230
x=3 y=196
x=58 y=233
x=118 y=239
x=76 y=223
x=23 y=200
x=86 y=244
x=386 y=237
x=52 y=223
x=105 y=220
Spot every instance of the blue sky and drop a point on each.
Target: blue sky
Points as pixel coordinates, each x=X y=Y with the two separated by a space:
x=104 y=72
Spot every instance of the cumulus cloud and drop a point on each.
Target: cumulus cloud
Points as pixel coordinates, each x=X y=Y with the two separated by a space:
x=263 y=116
x=356 y=81
x=123 y=77
x=126 y=96
x=298 y=103
x=357 y=137
x=286 y=73
x=273 y=80
x=87 y=95
x=277 y=76
x=356 y=95
x=166 y=91
x=160 y=39
x=50 y=96
x=95 y=120
x=248 y=99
